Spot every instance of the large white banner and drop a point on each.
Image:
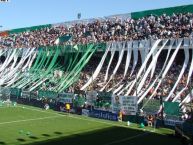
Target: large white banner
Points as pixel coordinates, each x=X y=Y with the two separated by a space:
x=91 y=97
x=125 y=104
x=66 y=97
x=128 y=105
x=25 y=94
x=116 y=103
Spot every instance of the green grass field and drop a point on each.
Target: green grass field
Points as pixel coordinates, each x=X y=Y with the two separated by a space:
x=30 y=125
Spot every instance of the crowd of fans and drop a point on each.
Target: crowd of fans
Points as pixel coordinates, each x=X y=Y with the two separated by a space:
x=149 y=27
x=163 y=91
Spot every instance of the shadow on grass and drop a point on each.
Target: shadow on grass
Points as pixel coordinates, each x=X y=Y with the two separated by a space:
x=46 y=135
x=110 y=136
x=2 y=143
x=58 y=133
x=33 y=137
x=21 y=139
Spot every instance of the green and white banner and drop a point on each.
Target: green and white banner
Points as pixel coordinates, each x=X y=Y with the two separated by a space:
x=66 y=97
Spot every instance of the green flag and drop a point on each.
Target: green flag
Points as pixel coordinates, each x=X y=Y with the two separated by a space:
x=76 y=47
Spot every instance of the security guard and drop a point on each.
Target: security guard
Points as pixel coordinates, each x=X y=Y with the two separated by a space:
x=68 y=107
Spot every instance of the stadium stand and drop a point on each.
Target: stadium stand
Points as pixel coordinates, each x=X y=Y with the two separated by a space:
x=176 y=25
x=143 y=54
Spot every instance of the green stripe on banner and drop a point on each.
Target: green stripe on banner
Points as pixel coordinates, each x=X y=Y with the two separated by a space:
x=74 y=74
x=33 y=28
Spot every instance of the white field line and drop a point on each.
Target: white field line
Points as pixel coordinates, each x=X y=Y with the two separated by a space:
x=25 y=120
x=2 y=107
x=76 y=117
x=72 y=116
x=90 y=119
x=126 y=139
x=43 y=111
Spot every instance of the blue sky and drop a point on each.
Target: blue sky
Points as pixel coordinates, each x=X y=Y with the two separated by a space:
x=25 y=13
